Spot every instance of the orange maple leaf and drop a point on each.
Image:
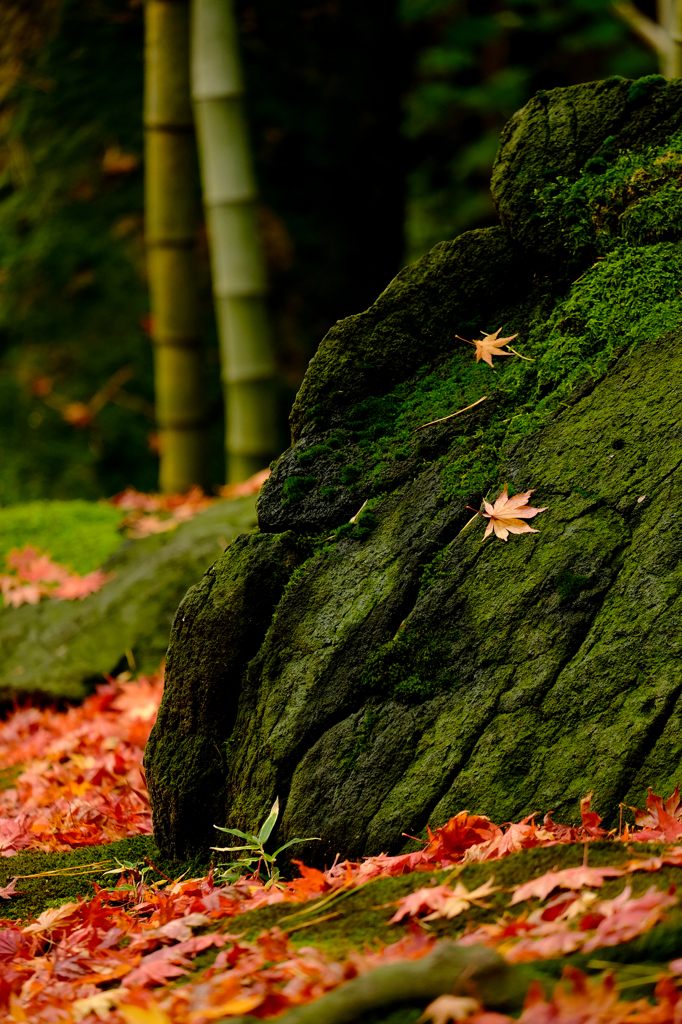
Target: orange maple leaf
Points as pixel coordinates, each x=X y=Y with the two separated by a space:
x=569 y=878
x=80 y=586
x=489 y=346
x=506 y=514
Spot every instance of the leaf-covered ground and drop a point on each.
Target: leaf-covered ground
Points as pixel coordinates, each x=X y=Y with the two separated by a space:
x=100 y=926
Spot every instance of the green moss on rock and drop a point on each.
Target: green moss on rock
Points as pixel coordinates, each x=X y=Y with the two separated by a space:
x=218 y=628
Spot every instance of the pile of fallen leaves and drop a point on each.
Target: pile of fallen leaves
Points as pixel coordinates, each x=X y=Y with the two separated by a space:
x=158 y=513
x=114 y=957
x=80 y=779
x=33 y=575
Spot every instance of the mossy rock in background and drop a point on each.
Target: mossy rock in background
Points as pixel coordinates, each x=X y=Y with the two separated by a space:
x=79 y=534
x=60 y=649
x=409 y=670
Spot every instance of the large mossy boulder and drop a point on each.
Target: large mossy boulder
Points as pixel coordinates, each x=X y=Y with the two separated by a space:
x=58 y=650
x=384 y=673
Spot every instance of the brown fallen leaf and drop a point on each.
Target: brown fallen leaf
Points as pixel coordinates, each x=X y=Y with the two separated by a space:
x=506 y=514
x=489 y=346
x=10 y=890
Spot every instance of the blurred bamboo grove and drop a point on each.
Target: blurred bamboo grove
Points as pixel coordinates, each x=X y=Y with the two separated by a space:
x=171 y=222
x=373 y=129
x=237 y=263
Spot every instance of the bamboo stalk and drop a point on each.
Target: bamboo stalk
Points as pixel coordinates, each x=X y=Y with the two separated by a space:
x=171 y=222
x=239 y=279
x=675 y=16
x=658 y=35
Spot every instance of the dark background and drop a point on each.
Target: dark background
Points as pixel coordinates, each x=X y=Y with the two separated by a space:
x=374 y=128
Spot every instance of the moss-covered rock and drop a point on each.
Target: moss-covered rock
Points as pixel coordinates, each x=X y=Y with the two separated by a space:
x=410 y=670
x=79 y=534
x=218 y=628
x=59 y=649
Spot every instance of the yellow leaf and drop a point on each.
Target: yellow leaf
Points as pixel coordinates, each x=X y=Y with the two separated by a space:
x=235 y=1006
x=100 y=1004
x=144 y=1015
x=16 y=1010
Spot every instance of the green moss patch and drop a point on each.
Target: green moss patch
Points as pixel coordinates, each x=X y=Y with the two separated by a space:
x=78 y=534
x=36 y=894
x=361 y=917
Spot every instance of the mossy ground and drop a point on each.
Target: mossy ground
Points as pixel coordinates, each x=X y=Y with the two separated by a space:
x=78 y=534
x=359 y=919
x=53 y=890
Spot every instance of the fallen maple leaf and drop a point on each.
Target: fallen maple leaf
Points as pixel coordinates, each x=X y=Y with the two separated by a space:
x=427 y=898
x=156 y=972
x=36 y=576
x=246 y=487
x=461 y=900
x=506 y=514
x=78 y=587
x=590 y=819
x=36 y=568
x=661 y=822
x=583 y=1001
x=442 y=901
x=16 y=593
x=11 y=941
x=569 y=878
x=449 y=1008
x=489 y=346
x=625 y=918
x=177 y=507
x=9 y=890
x=53 y=917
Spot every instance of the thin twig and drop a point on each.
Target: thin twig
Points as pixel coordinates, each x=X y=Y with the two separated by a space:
x=73 y=872
x=527 y=358
x=354 y=518
x=458 y=413
x=469 y=522
x=171 y=880
x=344 y=890
x=316 y=920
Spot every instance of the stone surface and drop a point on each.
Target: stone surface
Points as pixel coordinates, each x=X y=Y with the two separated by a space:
x=397 y=669
x=59 y=649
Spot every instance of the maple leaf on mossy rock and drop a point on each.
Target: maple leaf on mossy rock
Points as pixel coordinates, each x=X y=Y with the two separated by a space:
x=506 y=514
x=489 y=346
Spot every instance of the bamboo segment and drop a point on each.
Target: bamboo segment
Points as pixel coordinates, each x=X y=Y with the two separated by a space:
x=170 y=226
x=239 y=279
x=676 y=33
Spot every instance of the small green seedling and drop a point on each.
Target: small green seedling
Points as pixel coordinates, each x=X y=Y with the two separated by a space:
x=256 y=844
x=136 y=869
